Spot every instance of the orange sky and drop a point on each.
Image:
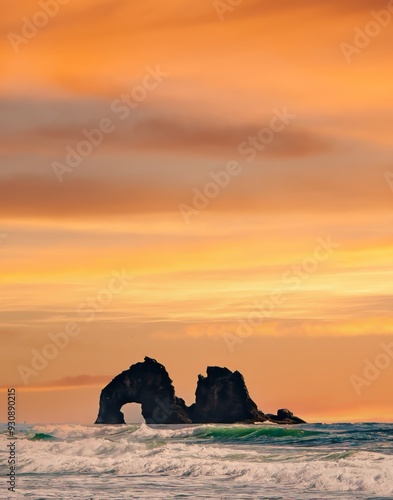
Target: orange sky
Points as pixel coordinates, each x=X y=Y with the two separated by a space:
x=196 y=276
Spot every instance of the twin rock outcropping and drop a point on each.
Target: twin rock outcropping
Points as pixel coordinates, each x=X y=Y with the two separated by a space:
x=221 y=397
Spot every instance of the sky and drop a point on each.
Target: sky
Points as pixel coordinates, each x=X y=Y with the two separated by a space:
x=204 y=183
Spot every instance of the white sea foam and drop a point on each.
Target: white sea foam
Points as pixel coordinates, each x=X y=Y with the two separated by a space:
x=181 y=453
x=208 y=461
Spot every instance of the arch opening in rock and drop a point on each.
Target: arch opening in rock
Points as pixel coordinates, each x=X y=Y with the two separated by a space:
x=132 y=413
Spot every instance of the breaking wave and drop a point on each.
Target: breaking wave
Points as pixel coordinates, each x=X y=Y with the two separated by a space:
x=356 y=459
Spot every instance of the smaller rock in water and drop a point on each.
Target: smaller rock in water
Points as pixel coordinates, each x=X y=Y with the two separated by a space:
x=284 y=417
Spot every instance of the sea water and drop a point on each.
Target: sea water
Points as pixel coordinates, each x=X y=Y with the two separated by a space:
x=319 y=461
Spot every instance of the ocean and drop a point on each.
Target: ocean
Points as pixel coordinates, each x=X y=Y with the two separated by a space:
x=318 y=461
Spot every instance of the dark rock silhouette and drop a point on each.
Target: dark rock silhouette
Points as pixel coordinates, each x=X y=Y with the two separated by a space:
x=147 y=383
x=284 y=416
x=221 y=397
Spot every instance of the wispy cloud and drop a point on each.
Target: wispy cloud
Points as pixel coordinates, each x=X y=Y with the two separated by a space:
x=75 y=382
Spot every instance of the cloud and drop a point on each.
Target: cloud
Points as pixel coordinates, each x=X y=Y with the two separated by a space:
x=80 y=381
x=365 y=325
x=154 y=129
x=257 y=7
x=67 y=383
x=197 y=138
x=174 y=13
x=265 y=186
x=32 y=196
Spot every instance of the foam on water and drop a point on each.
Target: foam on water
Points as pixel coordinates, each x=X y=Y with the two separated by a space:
x=320 y=459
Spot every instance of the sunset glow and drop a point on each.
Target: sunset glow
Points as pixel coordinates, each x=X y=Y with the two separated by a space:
x=233 y=208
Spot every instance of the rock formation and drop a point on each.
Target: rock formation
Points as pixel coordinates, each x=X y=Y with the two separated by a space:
x=284 y=416
x=221 y=397
x=147 y=383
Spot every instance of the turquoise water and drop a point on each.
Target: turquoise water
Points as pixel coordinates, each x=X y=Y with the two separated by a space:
x=346 y=461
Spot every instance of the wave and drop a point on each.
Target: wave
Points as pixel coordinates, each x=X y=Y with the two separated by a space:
x=40 y=436
x=367 y=472
x=265 y=455
x=248 y=433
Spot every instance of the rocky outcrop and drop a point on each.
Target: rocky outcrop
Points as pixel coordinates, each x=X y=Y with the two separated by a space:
x=147 y=383
x=284 y=416
x=221 y=397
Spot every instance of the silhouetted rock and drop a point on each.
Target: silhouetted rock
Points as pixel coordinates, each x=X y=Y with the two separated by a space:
x=221 y=397
x=284 y=416
x=147 y=383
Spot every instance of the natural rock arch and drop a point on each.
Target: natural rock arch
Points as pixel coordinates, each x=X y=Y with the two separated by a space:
x=148 y=384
